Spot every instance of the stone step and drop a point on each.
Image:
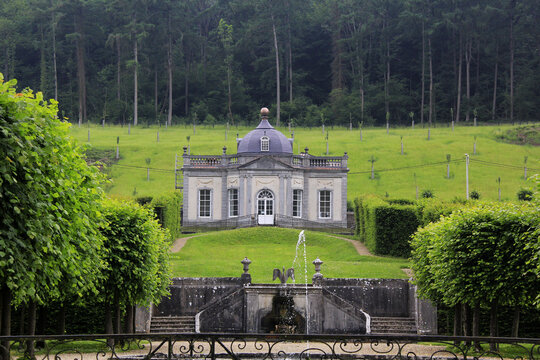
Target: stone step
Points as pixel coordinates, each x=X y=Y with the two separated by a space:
x=393 y=325
x=183 y=321
x=175 y=324
x=175 y=330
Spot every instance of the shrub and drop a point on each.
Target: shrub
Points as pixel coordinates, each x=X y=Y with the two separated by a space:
x=350 y=205
x=401 y=202
x=170 y=205
x=358 y=219
x=431 y=210
x=385 y=228
x=474 y=195
x=525 y=195
x=143 y=200
x=426 y=194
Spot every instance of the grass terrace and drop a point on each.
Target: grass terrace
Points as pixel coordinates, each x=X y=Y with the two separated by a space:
x=218 y=254
x=423 y=163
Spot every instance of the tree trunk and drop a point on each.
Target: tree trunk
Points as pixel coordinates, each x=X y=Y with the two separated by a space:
x=430 y=118
x=129 y=319
x=186 y=89
x=41 y=325
x=6 y=62
x=476 y=326
x=30 y=349
x=229 y=104
x=515 y=321
x=387 y=87
x=156 y=94
x=42 y=63
x=61 y=330
x=458 y=100
x=466 y=312
x=108 y=323
x=118 y=69
x=278 y=101
x=457 y=320
x=117 y=327
x=81 y=69
x=513 y=3
x=477 y=86
x=5 y=317
x=493 y=328
x=495 y=75
x=290 y=59
x=468 y=57
x=135 y=81
x=336 y=65
x=169 y=81
x=22 y=310
x=423 y=74
x=55 y=71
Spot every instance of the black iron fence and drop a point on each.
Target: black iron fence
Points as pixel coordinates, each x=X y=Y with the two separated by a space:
x=266 y=346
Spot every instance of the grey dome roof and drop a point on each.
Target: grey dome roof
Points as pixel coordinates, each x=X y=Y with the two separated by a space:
x=251 y=143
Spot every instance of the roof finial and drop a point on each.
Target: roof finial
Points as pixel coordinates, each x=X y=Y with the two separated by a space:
x=264 y=113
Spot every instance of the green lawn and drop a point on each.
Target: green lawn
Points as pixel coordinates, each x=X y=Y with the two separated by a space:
x=142 y=144
x=218 y=254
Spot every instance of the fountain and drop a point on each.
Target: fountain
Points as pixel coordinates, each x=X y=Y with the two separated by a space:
x=283 y=319
x=302 y=241
x=322 y=306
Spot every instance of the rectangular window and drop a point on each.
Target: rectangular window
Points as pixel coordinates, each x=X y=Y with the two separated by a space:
x=297 y=203
x=233 y=202
x=205 y=202
x=325 y=204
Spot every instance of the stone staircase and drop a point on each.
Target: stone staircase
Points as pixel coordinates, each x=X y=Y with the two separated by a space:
x=393 y=325
x=175 y=324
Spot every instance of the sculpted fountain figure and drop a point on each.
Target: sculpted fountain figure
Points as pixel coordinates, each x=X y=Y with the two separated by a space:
x=282 y=275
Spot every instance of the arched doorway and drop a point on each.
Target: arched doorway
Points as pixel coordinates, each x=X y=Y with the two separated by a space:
x=265 y=207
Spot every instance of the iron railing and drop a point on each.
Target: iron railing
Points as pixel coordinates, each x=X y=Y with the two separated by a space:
x=270 y=346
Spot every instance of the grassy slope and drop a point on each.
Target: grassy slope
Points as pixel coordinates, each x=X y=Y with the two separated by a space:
x=141 y=144
x=219 y=254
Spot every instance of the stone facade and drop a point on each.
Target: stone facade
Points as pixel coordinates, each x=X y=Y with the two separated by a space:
x=264 y=183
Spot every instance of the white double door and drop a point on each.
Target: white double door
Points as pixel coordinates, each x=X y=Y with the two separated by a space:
x=265 y=208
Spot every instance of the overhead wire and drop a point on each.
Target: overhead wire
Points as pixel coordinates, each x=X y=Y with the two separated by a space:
x=408 y=167
x=490 y=163
x=480 y=162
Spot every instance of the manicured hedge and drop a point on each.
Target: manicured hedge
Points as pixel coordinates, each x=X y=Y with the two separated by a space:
x=168 y=207
x=385 y=226
x=431 y=210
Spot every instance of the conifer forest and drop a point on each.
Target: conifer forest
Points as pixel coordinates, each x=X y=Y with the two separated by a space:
x=312 y=62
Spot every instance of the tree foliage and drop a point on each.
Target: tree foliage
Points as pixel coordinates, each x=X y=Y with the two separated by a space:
x=136 y=255
x=439 y=60
x=479 y=256
x=49 y=199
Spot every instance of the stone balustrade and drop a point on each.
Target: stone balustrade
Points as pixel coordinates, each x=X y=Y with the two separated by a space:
x=302 y=161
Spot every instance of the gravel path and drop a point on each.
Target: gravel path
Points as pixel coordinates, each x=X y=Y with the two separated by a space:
x=361 y=248
x=179 y=243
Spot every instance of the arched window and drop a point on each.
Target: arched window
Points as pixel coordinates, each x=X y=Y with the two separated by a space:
x=265 y=143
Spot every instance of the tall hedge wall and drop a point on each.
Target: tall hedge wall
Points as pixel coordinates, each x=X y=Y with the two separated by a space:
x=385 y=226
x=169 y=205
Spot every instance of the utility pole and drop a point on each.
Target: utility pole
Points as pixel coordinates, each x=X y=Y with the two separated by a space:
x=467 y=174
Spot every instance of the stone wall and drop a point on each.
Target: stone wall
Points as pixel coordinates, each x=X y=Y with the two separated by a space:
x=337 y=305
x=377 y=297
x=190 y=295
